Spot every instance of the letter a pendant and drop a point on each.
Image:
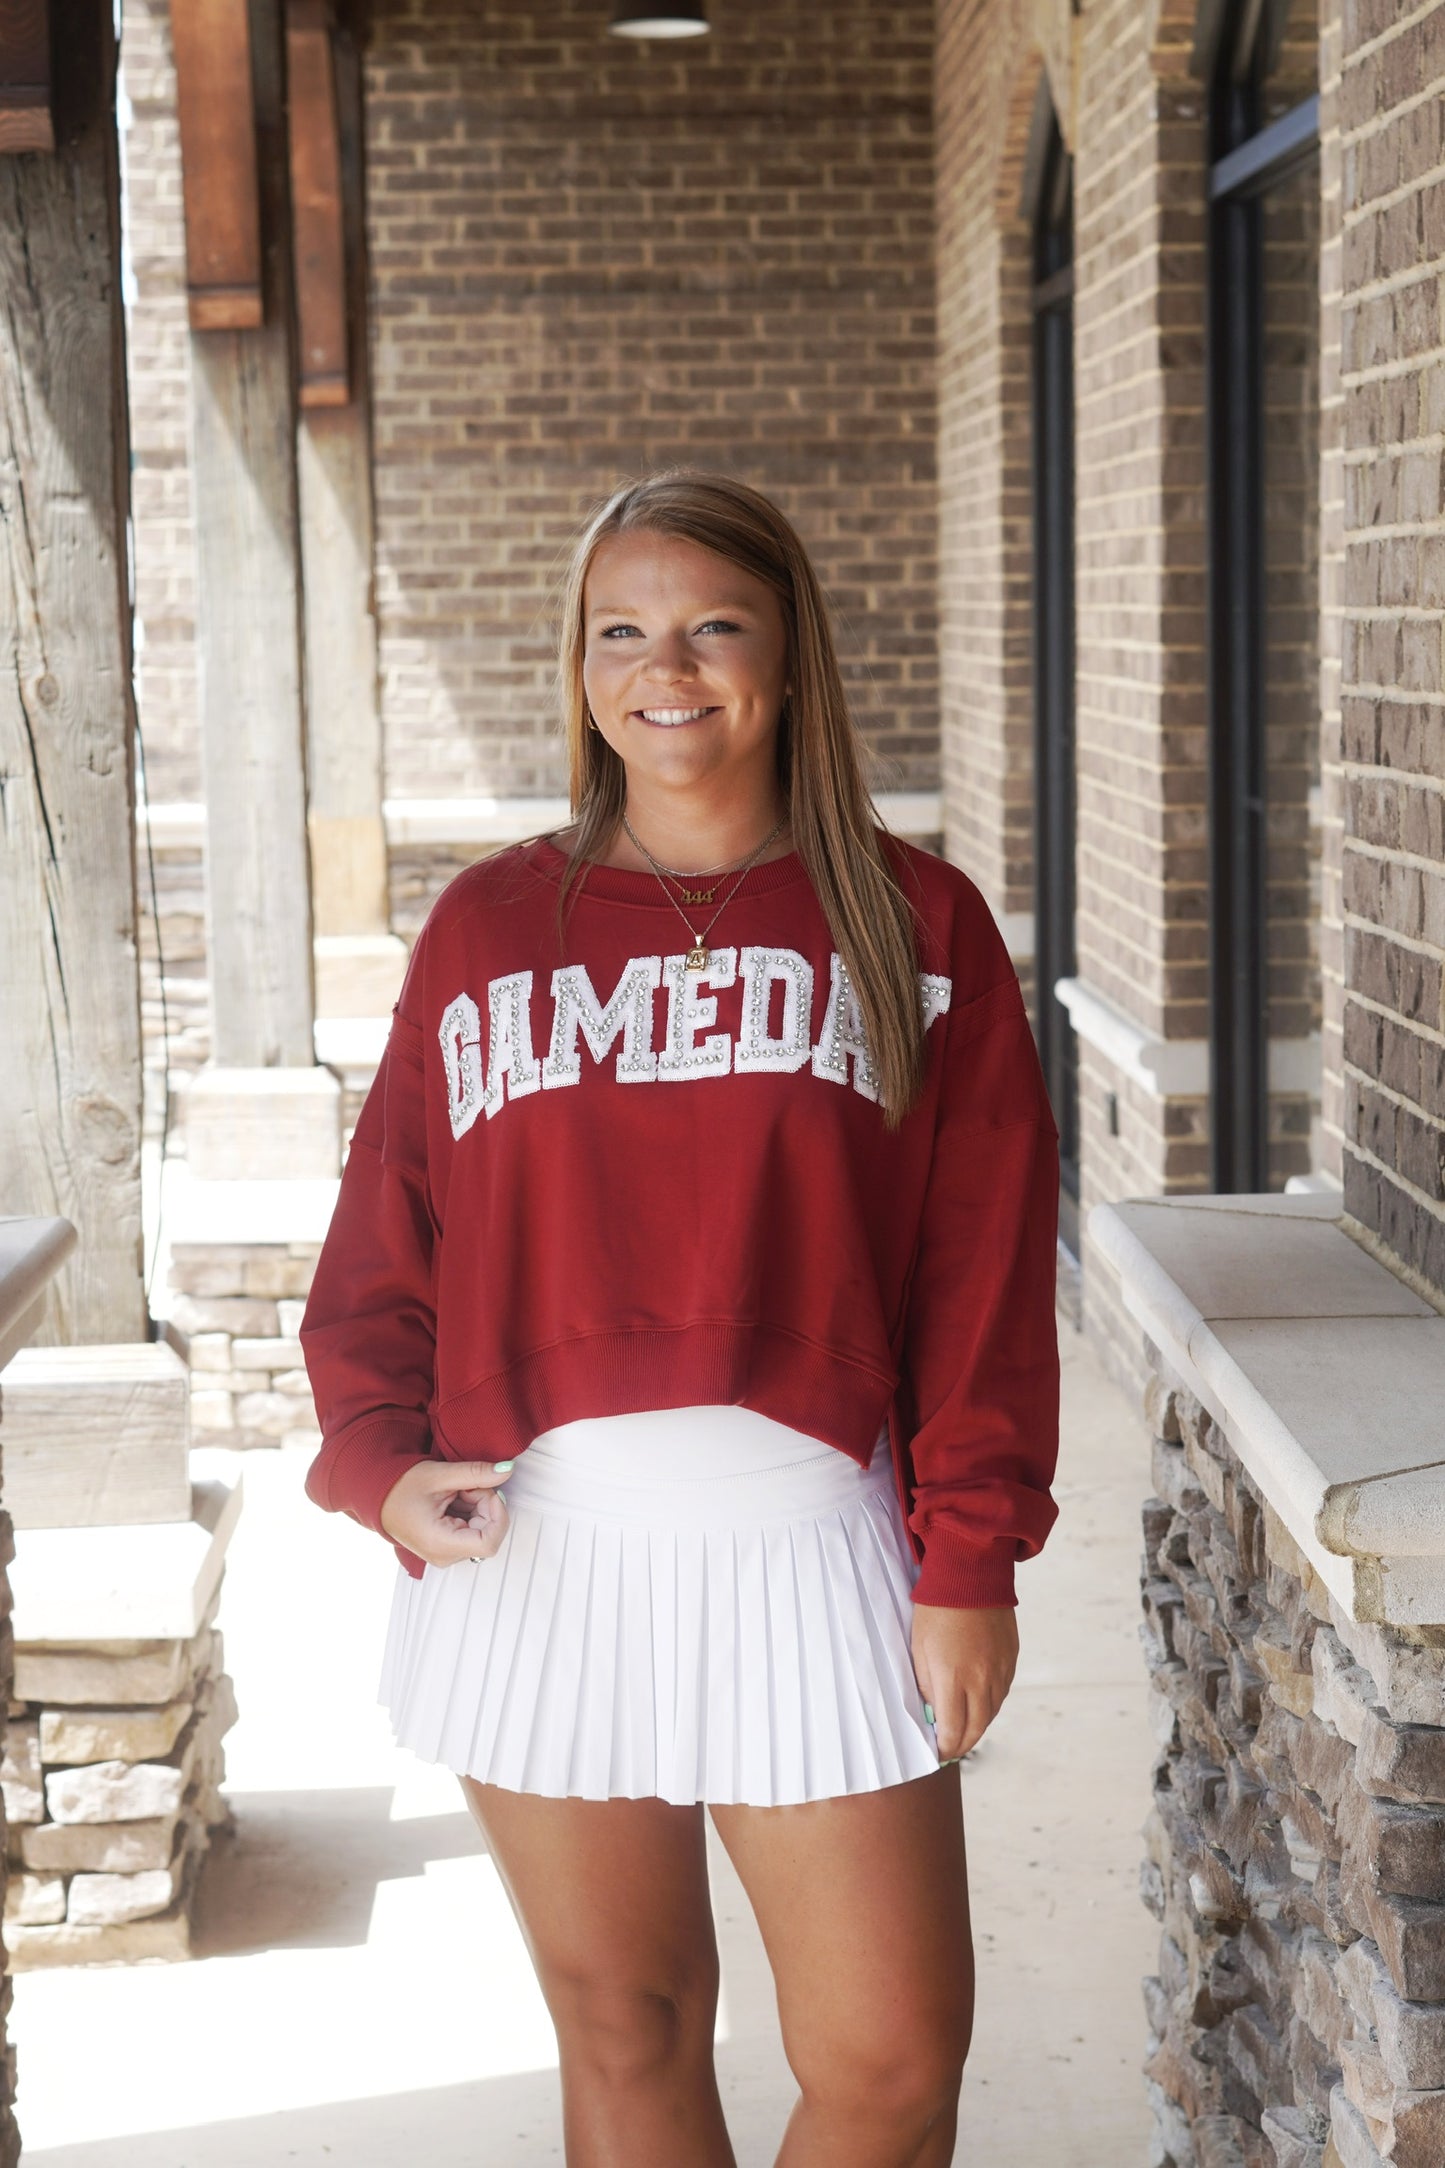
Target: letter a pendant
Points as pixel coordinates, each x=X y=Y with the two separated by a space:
x=697 y=957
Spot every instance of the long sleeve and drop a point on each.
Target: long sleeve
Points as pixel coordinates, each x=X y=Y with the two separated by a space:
x=980 y=1345
x=369 y=1330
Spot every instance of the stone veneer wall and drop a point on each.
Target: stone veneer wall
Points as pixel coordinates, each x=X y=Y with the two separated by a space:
x=111 y=1777
x=235 y=1319
x=1296 y=1845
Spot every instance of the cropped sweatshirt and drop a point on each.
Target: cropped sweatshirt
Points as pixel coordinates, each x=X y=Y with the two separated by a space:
x=591 y=1181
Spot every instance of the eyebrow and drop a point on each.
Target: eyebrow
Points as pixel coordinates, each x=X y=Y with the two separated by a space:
x=610 y=609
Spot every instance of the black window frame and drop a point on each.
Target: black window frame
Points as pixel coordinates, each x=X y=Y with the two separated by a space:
x=1247 y=157
x=1050 y=204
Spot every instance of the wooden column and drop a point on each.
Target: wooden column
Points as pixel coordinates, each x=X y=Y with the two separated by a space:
x=343 y=721
x=69 y=987
x=243 y=423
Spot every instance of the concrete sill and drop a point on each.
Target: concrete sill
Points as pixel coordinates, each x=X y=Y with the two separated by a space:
x=1326 y=1373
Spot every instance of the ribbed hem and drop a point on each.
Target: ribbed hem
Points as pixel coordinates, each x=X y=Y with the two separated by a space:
x=958 y=1576
x=354 y=1472
x=818 y=1391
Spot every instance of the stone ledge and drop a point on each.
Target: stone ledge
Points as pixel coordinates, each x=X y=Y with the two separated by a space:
x=1326 y=1373
x=150 y=1582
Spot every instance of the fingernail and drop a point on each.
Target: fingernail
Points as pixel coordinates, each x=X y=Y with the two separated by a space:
x=928 y=1712
x=504 y=1467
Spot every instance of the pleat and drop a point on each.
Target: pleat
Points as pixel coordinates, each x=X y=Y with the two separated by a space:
x=716 y=1652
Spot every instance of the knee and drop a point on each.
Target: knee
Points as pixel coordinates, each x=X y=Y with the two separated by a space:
x=625 y=2034
x=893 y=2077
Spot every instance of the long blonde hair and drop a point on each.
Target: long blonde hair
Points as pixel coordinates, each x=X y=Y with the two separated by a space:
x=820 y=767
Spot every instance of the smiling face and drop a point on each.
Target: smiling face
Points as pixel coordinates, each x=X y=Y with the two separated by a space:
x=684 y=661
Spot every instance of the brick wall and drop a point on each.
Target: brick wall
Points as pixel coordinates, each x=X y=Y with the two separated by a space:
x=1392 y=122
x=590 y=257
x=987 y=76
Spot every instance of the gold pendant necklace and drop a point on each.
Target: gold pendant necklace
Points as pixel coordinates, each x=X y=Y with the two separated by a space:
x=698 y=955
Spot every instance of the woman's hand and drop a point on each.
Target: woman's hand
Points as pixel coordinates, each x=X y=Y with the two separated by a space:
x=446 y=1510
x=964 y=1662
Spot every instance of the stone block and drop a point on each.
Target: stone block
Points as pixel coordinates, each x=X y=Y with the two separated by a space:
x=209 y=1351
x=99 y=1847
x=289 y=1314
x=106 y=1900
x=94 y=1735
x=115 y=1791
x=1344 y=1693
x=21 y=1779
x=35 y=1900
x=1350 y=2143
x=1408 y=1671
x=1411 y=1938
x=268 y=1413
x=238 y=1316
x=214 y=1412
x=1289 y=2132
x=1401 y=1761
x=163 y=1935
x=277 y=1125
x=261 y=1354
x=1398 y=1848
x=96 y=1436
x=1293 y=1690
x=110 y=1674
x=296 y=1383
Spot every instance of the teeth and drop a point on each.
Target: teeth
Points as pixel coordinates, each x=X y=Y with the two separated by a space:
x=672 y=715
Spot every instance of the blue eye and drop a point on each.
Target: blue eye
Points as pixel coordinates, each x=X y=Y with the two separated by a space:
x=718 y=624
x=611 y=629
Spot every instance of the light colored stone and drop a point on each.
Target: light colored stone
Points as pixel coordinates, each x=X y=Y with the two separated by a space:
x=96 y=1436
x=99 y=1847
x=1350 y=2138
x=1292 y=1689
x=105 y=1900
x=1343 y=1693
x=270 y=1413
x=208 y=1351
x=289 y=1316
x=147 y=1583
x=265 y=1354
x=20 y=1773
x=126 y=1672
x=281 y=1124
x=114 y=1791
x=34 y=1899
x=162 y=1935
x=234 y=1315
x=213 y=1411
x=294 y=1382
x=94 y=1735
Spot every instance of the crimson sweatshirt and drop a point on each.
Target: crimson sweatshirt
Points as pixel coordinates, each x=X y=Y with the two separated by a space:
x=592 y=1182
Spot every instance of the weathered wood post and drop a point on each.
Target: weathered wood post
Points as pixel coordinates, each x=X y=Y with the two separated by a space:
x=263 y=1108
x=70 y=1121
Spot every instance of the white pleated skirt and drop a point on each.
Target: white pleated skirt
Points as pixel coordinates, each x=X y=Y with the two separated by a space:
x=690 y=1604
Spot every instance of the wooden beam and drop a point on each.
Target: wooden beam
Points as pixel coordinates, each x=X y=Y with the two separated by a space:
x=343 y=722
x=215 y=111
x=248 y=632
x=69 y=981
x=316 y=208
x=26 y=123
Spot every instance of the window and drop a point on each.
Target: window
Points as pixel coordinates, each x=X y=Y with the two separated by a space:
x=1263 y=424
x=1053 y=647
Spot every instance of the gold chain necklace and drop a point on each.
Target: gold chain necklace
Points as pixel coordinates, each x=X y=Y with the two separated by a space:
x=698 y=954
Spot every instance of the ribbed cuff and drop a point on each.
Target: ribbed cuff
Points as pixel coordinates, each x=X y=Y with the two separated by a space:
x=964 y=1577
x=354 y=1473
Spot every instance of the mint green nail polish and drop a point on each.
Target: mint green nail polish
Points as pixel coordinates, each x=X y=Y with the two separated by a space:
x=928 y=1712
x=504 y=1467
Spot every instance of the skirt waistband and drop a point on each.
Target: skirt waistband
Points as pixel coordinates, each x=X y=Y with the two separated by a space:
x=695 y=1466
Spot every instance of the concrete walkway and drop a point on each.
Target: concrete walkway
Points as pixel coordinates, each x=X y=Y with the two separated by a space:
x=363 y=1996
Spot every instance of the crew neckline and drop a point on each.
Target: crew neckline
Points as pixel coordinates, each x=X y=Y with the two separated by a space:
x=627 y=884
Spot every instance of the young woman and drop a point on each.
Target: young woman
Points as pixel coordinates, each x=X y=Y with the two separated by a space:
x=706 y=1197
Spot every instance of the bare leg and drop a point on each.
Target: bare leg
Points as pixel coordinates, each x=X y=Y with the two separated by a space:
x=612 y=1899
x=863 y=1907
